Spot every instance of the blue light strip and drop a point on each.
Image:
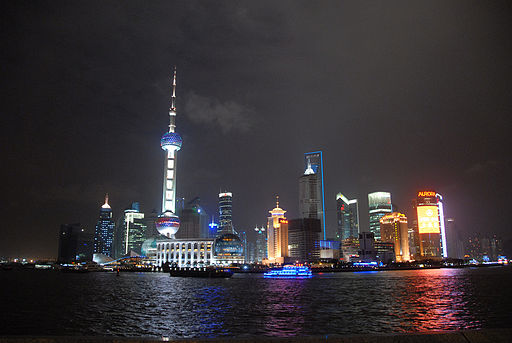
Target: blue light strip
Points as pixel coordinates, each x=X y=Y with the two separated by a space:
x=323 y=192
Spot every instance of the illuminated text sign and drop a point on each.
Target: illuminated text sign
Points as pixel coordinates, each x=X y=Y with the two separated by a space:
x=427 y=194
x=428 y=219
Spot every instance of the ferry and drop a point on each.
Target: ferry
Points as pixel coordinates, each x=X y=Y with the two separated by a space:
x=289 y=272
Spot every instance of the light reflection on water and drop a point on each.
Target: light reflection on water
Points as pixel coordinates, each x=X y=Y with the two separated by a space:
x=48 y=303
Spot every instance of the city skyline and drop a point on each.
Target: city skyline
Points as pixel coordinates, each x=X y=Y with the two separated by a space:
x=449 y=125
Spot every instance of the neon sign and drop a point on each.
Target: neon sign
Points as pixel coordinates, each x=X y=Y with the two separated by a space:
x=427 y=194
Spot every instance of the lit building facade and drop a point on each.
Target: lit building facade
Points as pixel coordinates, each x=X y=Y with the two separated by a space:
x=260 y=246
x=379 y=204
x=347 y=213
x=134 y=230
x=104 y=232
x=185 y=252
x=229 y=249
x=428 y=208
x=394 y=229
x=277 y=235
x=311 y=189
x=225 y=213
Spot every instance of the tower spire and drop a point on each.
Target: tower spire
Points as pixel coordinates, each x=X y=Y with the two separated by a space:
x=277 y=201
x=106 y=198
x=173 y=97
x=172 y=110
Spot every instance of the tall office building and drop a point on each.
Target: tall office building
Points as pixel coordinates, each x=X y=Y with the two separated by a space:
x=454 y=240
x=393 y=229
x=133 y=230
x=428 y=208
x=260 y=246
x=379 y=204
x=277 y=235
x=75 y=245
x=347 y=212
x=168 y=223
x=225 y=213
x=311 y=189
x=193 y=221
x=304 y=239
x=104 y=233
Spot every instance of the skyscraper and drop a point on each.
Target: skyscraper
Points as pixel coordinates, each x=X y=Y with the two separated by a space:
x=277 y=235
x=104 y=233
x=428 y=207
x=260 y=245
x=225 y=213
x=193 y=221
x=168 y=222
x=393 y=229
x=379 y=205
x=347 y=212
x=74 y=244
x=134 y=230
x=303 y=239
x=311 y=189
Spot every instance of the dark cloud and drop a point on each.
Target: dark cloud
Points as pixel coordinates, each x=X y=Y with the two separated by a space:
x=228 y=116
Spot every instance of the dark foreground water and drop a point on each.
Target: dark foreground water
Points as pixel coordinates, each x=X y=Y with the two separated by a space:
x=154 y=304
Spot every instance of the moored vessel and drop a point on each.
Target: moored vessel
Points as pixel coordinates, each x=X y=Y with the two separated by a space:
x=202 y=272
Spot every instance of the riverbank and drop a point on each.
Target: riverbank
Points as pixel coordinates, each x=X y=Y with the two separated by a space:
x=466 y=336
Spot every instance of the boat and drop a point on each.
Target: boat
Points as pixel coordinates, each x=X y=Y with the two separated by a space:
x=202 y=272
x=289 y=272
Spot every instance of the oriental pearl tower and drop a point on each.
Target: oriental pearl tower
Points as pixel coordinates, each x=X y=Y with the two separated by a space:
x=168 y=222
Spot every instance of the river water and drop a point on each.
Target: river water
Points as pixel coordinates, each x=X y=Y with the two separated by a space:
x=154 y=304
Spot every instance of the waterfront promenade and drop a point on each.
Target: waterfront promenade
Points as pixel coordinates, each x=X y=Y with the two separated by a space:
x=466 y=336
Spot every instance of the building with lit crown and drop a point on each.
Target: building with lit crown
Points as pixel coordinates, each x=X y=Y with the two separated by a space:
x=393 y=229
x=104 y=232
x=277 y=235
x=379 y=204
x=311 y=189
x=347 y=213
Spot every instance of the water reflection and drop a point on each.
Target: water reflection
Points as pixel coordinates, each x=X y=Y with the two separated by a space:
x=284 y=307
x=248 y=305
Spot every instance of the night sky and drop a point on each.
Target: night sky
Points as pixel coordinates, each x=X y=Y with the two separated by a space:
x=399 y=96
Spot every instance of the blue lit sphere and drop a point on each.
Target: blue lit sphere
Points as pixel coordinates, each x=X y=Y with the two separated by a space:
x=228 y=245
x=168 y=224
x=171 y=141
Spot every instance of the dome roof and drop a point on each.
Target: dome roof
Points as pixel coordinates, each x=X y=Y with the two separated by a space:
x=148 y=244
x=171 y=140
x=228 y=245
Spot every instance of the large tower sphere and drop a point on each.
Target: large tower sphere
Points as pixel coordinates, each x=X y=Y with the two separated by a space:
x=171 y=141
x=168 y=224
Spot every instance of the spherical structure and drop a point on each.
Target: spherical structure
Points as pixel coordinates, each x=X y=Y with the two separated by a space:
x=228 y=245
x=171 y=141
x=148 y=246
x=168 y=224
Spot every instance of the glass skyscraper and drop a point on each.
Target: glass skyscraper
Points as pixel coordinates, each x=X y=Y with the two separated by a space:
x=379 y=205
x=311 y=189
x=104 y=232
x=347 y=212
x=225 y=213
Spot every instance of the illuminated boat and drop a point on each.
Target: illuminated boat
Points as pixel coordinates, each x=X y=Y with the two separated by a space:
x=289 y=272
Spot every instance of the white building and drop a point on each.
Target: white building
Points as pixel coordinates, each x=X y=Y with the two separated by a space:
x=185 y=252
